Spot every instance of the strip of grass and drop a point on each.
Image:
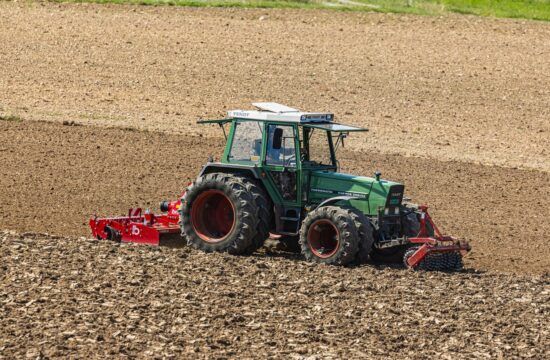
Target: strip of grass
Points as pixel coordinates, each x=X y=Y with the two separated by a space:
x=12 y=118
x=526 y=9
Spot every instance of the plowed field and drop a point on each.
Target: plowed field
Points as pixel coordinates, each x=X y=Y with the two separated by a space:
x=458 y=109
x=86 y=298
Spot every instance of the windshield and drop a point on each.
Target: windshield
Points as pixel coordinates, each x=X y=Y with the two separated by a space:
x=247 y=142
x=318 y=152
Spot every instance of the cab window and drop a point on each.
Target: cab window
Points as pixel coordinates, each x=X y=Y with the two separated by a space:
x=247 y=142
x=281 y=149
x=319 y=147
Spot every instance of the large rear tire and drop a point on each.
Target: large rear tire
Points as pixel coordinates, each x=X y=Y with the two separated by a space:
x=264 y=213
x=219 y=214
x=328 y=235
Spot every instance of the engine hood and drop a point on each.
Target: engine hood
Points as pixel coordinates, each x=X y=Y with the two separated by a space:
x=370 y=193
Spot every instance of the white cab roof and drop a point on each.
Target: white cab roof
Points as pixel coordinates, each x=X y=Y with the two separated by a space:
x=274 y=107
x=277 y=112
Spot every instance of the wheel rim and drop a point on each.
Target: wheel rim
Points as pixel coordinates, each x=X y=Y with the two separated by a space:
x=213 y=216
x=323 y=238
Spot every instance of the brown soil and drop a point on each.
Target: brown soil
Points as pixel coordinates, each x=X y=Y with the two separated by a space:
x=443 y=97
x=454 y=87
x=96 y=299
x=57 y=176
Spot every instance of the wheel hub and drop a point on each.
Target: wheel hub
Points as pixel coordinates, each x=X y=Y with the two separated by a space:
x=323 y=238
x=213 y=216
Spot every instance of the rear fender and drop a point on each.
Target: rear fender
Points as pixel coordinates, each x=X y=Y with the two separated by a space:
x=212 y=167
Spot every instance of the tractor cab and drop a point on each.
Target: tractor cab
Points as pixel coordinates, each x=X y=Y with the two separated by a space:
x=282 y=136
x=278 y=135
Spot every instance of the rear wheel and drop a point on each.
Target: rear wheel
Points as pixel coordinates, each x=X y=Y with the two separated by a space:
x=328 y=235
x=112 y=234
x=219 y=214
x=264 y=213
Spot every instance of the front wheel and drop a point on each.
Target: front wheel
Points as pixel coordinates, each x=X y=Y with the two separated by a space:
x=328 y=235
x=365 y=232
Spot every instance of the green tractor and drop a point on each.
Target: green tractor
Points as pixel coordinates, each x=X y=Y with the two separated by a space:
x=278 y=176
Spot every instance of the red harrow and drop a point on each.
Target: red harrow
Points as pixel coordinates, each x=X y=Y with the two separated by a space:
x=431 y=250
x=139 y=227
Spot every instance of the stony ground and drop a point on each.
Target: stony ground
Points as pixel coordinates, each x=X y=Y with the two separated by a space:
x=445 y=99
x=95 y=299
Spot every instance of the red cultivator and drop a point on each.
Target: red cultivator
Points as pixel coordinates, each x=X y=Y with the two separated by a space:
x=139 y=227
x=432 y=250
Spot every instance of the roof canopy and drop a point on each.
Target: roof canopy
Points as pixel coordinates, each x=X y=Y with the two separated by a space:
x=270 y=111
x=278 y=112
x=274 y=107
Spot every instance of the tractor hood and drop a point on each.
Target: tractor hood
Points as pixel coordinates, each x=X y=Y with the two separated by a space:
x=380 y=193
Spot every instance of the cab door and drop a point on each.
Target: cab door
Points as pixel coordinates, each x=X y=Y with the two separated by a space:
x=283 y=168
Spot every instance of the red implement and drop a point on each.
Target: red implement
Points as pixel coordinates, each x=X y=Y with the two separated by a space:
x=433 y=242
x=138 y=227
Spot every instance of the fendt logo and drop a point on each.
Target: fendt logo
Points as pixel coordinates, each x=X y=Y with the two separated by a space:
x=345 y=193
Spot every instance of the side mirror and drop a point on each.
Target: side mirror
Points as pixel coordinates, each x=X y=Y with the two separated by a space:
x=277 y=138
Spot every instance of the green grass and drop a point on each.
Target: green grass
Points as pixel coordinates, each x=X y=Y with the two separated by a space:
x=527 y=9
x=13 y=118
